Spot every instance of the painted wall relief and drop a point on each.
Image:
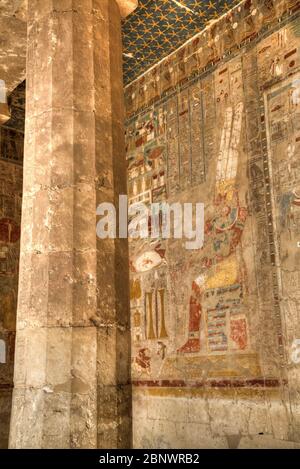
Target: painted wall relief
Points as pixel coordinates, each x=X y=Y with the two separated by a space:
x=283 y=114
x=218 y=263
x=11 y=181
x=232 y=308
x=10 y=216
x=205 y=141
x=188 y=305
x=11 y=145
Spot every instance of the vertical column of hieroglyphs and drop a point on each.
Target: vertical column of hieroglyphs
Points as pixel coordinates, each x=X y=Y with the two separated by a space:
x=281 y=77
x=184 y=139
x=197 y=134
x=173 y=145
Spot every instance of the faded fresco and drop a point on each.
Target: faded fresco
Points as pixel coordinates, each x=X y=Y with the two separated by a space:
x=283 y=131
x=190 y=306
x=222 y=317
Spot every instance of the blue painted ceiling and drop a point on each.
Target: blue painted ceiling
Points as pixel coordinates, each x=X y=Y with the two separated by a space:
x=153 y=31
x=158 y=27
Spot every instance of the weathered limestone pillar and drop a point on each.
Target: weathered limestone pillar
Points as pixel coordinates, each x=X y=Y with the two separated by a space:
x=72 y=363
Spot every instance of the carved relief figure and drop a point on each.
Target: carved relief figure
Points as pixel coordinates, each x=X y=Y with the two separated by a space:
x=218 y=261
x=142 y=362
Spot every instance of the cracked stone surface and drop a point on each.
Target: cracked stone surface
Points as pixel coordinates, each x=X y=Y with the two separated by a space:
x=13 y=29
x=13 y=34
x=72 y=364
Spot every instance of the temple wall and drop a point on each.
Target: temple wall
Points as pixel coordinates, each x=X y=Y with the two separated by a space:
x=11 y=174
x=215 y=330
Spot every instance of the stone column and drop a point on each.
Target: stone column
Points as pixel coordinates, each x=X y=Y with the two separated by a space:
x=72 y=362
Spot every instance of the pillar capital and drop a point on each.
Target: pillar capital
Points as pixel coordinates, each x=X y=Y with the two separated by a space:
x=127 y=6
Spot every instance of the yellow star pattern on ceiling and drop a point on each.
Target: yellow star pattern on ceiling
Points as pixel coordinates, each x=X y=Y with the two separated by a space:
x=158 y=27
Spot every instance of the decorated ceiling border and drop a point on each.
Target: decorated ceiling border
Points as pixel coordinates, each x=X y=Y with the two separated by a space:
x=158 y=27
x=242 y=25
